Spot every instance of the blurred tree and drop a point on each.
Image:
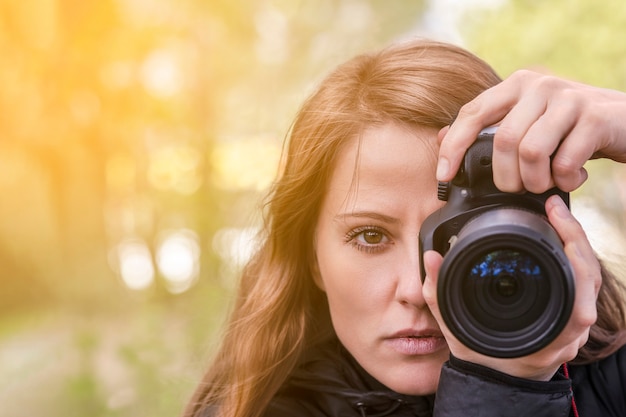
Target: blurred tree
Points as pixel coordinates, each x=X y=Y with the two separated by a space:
x=110 y=111
x=129 y=119
x=131 y=131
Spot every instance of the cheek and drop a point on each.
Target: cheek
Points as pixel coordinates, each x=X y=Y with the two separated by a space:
x=354 y=288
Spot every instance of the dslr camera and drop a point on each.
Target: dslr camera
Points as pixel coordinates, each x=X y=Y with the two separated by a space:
x=505 y=288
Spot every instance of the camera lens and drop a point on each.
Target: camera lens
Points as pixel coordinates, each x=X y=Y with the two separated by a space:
x=506 y=287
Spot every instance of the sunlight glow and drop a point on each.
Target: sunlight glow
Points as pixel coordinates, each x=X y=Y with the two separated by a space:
x=235 y=245
x=161 y=74
x=135 y=264
x=178 y=259
x=176 y=168
x=245 y=164
x=273 y=30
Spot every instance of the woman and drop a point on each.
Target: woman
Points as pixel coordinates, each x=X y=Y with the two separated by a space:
x=332 y=318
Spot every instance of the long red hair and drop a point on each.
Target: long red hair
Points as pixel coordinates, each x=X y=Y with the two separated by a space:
x=279 y=310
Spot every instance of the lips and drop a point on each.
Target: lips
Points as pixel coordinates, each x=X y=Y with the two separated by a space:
x=413 y=342
x=411 y=333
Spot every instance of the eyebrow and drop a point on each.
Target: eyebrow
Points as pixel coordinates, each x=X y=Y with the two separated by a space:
x=368 y=214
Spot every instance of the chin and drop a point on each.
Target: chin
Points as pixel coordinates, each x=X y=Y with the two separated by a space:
x=414 y=380
x=425 y=388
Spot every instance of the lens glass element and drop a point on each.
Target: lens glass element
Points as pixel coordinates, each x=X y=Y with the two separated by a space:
x=505 y=290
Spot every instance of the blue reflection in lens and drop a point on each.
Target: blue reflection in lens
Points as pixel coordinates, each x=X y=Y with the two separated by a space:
x=505 y=262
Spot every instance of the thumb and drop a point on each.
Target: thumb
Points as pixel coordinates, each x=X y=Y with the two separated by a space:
x=432 y=263
x=442 y=134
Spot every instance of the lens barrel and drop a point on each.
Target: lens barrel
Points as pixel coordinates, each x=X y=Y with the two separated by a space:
x=506 y=288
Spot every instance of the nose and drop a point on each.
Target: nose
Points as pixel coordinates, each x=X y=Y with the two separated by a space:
x=409 y=283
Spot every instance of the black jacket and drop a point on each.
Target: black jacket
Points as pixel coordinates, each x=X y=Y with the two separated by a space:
x=331 y=384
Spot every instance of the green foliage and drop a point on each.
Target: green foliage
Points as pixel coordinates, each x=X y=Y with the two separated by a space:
x=578 y=39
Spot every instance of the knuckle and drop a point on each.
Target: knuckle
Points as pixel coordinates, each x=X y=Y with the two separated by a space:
x=548 y=83
x=470 y=109
x=569 y=97
x=594 y=118
x=531 y=152
x=522 y=75
x=505 y=139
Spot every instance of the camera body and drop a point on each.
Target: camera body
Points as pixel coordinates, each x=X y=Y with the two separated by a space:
x=505 y=288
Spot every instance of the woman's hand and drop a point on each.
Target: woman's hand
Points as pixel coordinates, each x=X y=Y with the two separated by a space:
x=543 y=364
x=548 y=129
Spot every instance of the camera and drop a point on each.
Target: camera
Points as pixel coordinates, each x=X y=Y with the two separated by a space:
x=505 y=288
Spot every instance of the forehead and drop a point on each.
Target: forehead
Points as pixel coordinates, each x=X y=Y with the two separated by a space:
x=390 y=155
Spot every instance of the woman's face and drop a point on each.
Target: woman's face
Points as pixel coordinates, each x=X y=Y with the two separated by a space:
x=368 y=258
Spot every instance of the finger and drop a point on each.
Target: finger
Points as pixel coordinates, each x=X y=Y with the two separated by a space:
x=539 y=146
x=569 y=229
x=542 y=142
x=508 y=140
x=568 y=163
x=586 y=270
x=584 y=263
x=432 y=263
x=486 y=109
x=588 y=282
x=442 y=134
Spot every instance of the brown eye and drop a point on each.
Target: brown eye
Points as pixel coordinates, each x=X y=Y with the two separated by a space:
x=369 y=239
x=372 y=237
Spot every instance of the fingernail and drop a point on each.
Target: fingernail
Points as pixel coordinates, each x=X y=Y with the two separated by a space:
x=443 y=166
x=559 y=207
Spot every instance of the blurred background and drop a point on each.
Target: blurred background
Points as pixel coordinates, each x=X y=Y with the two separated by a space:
x=137 y=139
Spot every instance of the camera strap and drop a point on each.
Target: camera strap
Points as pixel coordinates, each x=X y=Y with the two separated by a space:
x=574 y=409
